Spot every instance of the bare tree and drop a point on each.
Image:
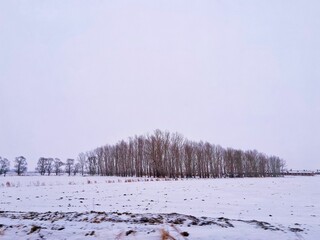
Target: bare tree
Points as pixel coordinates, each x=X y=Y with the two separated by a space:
x=69 y=166
x=57 y=164
x=99 y=165
x=188 y=158
x=4 y=166
x=238 y=163
x=41 y=166
x=20 y=165
x=49 y=165
x=140 y=156
x=176 y=156
x=82 y=162
x=76 y=169
x=108 y=160
x=92 y=163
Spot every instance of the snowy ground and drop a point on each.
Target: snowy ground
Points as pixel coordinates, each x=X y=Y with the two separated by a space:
x=41 y=207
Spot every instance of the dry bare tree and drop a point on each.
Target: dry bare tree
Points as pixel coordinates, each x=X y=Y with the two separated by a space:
x=57 y=164
x=4 y=166
x=20 y=165
x=41 y=166
x=69 y=166
x=82 y=160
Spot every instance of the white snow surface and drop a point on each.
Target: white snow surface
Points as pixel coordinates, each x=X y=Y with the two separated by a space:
x=239 y=208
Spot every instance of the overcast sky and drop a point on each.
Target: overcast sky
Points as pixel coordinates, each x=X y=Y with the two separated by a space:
x=75 y=75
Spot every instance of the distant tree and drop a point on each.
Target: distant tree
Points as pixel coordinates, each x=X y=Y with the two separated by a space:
x=69 y=166
x=57 y=164
x=4 y=166
x=41 y=166
x=92 y=163
x=283 y=165
x=188 y=158
x=49 y=166
x=82 y=162
x=99 y=153
x=76 y=168
x=20 y=165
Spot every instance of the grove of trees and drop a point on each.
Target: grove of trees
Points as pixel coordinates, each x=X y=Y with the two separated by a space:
x=165 y=154
x=161 y=155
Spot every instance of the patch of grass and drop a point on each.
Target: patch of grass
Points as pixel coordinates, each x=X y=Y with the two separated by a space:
x=165 y=235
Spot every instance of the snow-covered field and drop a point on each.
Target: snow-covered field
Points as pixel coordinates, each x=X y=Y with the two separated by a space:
x=42 y=207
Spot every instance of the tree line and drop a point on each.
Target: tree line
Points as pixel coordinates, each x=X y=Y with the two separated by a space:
x=44 y=166
x=165 y=154
x=55 y=166
x=161 y=154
